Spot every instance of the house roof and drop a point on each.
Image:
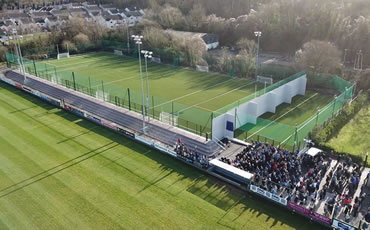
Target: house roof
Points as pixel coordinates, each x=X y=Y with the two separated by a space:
x=93 y=8
x=17 y=15
x=107 y=6
x=133 y=13
x=52 y=18
x=77 y=10
x=2 y=33
x=108 y=17
x=207 y=38
x=40 y=14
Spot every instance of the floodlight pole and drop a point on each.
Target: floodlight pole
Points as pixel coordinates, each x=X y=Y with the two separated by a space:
x=258 y=35
x=147 y=54
x=139 y=42
x=128 y=38
x=19 y=52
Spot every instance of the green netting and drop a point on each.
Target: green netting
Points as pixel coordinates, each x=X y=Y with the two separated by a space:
x=257 y=94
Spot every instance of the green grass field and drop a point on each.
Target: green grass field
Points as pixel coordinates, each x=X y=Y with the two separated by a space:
x=206 y=91
x=281 y=125
x=58 y=171
x=354 y=136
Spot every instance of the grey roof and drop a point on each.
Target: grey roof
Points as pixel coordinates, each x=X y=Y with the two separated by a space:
x=133 y=13
x=17 y=15
x=40 y=14
x=2 y=33
x=93 y=8
x=77 y=10
x=108 y=17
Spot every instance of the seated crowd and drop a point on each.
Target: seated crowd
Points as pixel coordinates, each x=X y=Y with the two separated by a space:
x=189 y=155
x=280 y=171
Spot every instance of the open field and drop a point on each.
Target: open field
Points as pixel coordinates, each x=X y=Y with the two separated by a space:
x=58 y=171
x=280 y=125
x=207 y=91
x=355 y=135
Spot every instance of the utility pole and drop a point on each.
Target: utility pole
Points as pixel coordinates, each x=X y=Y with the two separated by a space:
x=258 y=35
x=359 y=61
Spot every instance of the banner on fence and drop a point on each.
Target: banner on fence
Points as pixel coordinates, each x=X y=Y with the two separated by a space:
x=307 y=212
x=10 y=82
x=19 y=86
x=94 y=119
x=145 y=141
x=337 y=224
x=126 y=133
x=166 y=150
x=268 y=195
x=77 y=112
x=109 y=125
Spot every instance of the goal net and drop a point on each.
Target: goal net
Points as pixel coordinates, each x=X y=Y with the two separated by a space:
x=267 y=80
x=118 y=52
x=156 y=59
x=102 y=95
x=202 y=68
x=168 y=118
x=63 y=55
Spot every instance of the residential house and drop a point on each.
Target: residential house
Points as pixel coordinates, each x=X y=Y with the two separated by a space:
x=78 y=12
x=132 y=17
x=3 y=36
x=211 y=41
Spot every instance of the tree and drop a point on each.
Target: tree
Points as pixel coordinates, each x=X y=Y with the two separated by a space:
x=318 y=56
x=155 y=37
x=171 y=17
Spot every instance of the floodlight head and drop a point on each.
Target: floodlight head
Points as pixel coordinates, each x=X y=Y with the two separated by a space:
x=150 y=53
x=149 y=56
x=258 y=33
x=141 y=36
x=143 y=51
x=133 y=36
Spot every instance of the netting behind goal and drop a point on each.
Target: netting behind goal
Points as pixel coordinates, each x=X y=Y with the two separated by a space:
x=63 y=55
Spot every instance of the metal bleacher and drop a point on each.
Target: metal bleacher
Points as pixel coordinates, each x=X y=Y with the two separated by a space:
x=156 y=130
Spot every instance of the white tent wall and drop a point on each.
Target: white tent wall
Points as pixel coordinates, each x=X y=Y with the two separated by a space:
x=251 y=110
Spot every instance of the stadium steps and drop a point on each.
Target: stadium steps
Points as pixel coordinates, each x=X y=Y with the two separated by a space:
x=168 y=135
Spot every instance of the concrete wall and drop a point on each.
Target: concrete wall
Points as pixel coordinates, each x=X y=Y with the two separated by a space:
x=251 y=110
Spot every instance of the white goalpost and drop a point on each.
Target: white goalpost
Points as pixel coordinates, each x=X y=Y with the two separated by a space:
x=63 y=55
x=118 y=52
x=267 y=80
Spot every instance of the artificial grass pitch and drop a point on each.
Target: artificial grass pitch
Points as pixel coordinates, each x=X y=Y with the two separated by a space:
x=281 y=125
x=58 y=171
x=207 y=91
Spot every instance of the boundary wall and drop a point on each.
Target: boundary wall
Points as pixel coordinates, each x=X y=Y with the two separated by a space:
x=248 y=112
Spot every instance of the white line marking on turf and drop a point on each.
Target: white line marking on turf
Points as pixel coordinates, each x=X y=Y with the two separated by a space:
x=283 y=115
x=304 y=124
x=195 y=105
x=189 y=94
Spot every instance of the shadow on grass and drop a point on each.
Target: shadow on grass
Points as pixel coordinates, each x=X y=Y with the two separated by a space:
x=209 y=189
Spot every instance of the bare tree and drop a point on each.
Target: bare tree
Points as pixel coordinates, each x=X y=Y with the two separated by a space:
x=318 y=56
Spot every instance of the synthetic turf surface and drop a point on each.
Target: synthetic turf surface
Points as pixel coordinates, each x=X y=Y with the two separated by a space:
x=281 y=124
x=58 y=171
x=206 y=90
